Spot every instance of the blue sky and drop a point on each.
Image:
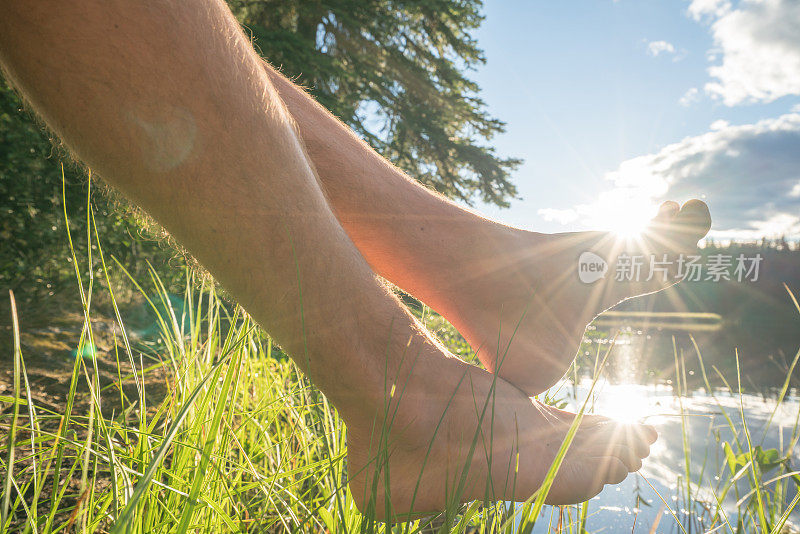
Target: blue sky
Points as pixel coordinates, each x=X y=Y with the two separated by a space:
x=616 y=106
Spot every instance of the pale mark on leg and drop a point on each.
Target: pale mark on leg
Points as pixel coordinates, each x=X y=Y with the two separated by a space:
x=170 y=136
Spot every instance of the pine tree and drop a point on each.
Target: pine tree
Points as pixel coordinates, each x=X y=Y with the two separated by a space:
x=395 y=72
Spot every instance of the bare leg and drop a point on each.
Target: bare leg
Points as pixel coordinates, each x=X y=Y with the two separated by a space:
x=493 y=282
x=169 y=103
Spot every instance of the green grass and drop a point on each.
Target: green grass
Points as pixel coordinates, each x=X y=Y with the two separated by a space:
x=241 y=441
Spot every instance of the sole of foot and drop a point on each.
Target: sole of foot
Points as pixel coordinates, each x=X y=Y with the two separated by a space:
x=526 y=317
x=486 y=440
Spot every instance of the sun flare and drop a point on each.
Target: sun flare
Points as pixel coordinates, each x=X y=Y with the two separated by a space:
x=628 y=221
x=627 y=403
x=625 y=211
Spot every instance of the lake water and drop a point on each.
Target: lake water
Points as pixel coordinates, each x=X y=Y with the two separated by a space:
x=615 y=508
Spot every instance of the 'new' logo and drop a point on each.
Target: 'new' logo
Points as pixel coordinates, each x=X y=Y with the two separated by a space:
x=591 y=267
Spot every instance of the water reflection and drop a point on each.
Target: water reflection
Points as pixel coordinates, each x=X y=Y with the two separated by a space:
x=706 y=429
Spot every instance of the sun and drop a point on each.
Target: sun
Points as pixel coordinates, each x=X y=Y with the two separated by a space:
x=628 y=219
x=625 y=226
x=627 y=403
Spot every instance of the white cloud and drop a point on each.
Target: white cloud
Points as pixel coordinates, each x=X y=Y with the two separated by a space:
x=749 y=175
x=782 y=224
x=690 y=97
x=665 y=48
x=654 y=48
x=719 y=124
x=699 y=9
x=561 y=216
x=758 y=44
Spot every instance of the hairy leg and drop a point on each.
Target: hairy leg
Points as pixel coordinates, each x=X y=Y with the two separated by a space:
x=168 y=102
x=515 y=295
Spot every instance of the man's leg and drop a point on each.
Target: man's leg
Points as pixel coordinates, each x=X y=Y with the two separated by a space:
x=168 y=102
x=493 y=282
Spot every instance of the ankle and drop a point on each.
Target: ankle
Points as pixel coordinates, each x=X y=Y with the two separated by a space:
x=405 y=372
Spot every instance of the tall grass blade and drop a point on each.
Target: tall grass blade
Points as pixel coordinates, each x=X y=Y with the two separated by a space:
x=124 y=523
x=12 y=434
x=211 y=440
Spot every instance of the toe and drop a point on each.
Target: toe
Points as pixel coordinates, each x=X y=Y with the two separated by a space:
x=617 y=439
x=636 y=466
x=628 y=443
x=641 y=432
x=692 y=222
x=604 y=470
x=648 y=432
x=667 y=211
x=580 y=480
x=639 y=437
x=631 y=458
x=611 y=469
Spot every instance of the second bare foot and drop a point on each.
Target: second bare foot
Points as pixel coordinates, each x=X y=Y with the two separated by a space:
x=524 y=308
x=460 y=442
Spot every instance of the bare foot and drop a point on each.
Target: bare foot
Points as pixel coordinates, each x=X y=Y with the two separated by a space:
x=523 y=307
x=430 y=440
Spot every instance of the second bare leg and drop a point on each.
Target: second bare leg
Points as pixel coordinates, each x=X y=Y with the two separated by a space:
x=515 y=295
x=167 y=101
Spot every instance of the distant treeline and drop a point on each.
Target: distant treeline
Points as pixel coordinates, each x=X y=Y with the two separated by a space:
x=779 y=243
x=760 y=318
